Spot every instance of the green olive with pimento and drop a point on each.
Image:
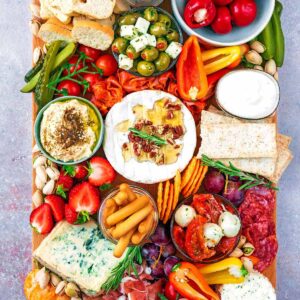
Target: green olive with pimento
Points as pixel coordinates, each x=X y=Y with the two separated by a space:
x=172 y=36
x=162 y=62
x=128 y=19
x=145 y=68
x=149 y=54
x=132 y=53
x=151 y=14
x=165 y=19
x=119 y=45
x=161 y=44
x=158 y=29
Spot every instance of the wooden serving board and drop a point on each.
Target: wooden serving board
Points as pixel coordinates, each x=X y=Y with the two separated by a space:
x=270 y=272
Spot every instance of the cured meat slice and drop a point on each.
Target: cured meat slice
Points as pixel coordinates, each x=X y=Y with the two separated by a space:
x=154 y=289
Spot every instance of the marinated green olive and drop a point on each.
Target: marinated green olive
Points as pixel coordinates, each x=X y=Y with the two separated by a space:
x=163 y=62
x=150 y=53
x=129 y=19
x=164 y=19
x=151 y=14
x=119 y=45
x=172 y=36
x=131 y=53
x=158 y=29
x=161 y=44
x=145 y=68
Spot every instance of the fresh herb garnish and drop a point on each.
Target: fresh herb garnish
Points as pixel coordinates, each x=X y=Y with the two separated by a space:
x=250 y=180
x=105 y=187
x=244 y=271
x=132 y=256
x=69 y=170
x=162 y=297
x=151 y=138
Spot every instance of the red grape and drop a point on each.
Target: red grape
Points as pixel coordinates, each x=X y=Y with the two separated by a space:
x=214 y=181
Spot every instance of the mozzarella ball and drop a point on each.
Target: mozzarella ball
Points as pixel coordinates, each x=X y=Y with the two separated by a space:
x=184 y=215
x=230 y=224
x=212 y=234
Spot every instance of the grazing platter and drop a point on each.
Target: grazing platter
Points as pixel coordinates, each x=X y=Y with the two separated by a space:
x=156 y=154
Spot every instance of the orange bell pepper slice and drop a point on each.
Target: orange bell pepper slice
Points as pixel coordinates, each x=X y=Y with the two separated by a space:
x=191 y=76
x=181 y=276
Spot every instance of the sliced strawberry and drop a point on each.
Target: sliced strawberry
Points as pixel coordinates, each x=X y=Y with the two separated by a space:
x=64 y=184
x=57 y=204
x=77 y=171
x=70 y=214
x=41 y=219
x=84 y=198
x=100 y=171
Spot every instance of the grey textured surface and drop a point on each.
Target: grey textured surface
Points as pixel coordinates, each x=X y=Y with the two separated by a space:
x=15 y=153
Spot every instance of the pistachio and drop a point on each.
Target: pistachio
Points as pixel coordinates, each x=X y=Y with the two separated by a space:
x=35 y=10
x=40 y=184
x=39 y=161
x=259 y=68
x=248 y=249
x=60 y=288
x=51 y=164
x=55 y=280
x=37 y=198
x=35 y=149
x=37 y=52
x=254 y=58
x=237 y=252
x=40 y=172
x=45 y=48
x=72 y=290
x=242 y=241
x=49 y=187
x=270 y=67
x=42 y=277
x=34 y=27
x=248 y=264
x=276 y=76
x=75 y=298
x=258 y=47
x=52 y=172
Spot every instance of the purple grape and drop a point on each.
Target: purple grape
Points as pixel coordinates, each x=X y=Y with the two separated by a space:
x=150 y=252
x=168 y=250
x=157 y=269
x=233 y=194
x=169 y=264
x=214 y=182
x=160 y=236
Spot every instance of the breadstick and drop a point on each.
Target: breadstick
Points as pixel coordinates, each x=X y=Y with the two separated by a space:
x=132 y=221
x=127 y=210
x=121 y=198
x=108 y=210
x=126 y=188
x=137 y=237
x=145 y=225
x=123 y=243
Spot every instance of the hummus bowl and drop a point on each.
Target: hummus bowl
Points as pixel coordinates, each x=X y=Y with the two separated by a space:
x=69 y=130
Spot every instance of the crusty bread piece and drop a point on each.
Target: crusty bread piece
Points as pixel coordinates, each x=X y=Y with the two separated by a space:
x=98 y=9
x=44 y=11
x=121 y=6
x=58 y=13
x=285 y=156
x=57 y=22
x=65 y=6
x=92 y=34
x=52 y=32
x=108 y=21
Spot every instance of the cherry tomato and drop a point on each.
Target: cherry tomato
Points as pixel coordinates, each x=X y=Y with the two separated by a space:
x=92 y=79
x=73 y=61
x=107 y=64
x=179 y=236
x=243 y=12
x=222 y=22
x=92 y=53
x=222 y=2
x=170 y=291
x=69 y=88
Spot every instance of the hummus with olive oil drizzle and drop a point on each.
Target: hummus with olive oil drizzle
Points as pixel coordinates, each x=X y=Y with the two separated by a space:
x=69 y=130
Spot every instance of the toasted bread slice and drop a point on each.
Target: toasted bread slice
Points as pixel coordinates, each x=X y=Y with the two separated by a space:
x=58 y=13
x=108 y=21
x=65 y=6
x=93 y=34
x=52 y=32
x=57 y=22
x=45 y=12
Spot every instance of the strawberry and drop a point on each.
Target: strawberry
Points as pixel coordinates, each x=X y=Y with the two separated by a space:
x=70 y=214
x=57 y=204
x=77 y=171
x=84 y=198
x=100 y=171
x=41 y=219
x=64 y=184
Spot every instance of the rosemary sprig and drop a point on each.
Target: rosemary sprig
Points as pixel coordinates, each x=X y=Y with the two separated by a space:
x=250 y=180
x=152 y=138
x=132 y=256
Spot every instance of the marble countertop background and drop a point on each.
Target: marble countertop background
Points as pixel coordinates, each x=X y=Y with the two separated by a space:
x=16 y=140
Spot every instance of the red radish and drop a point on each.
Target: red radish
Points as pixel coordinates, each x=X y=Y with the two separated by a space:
x=222 y=2
x=70 y=214
x=41 y=219
x=243 y=12
x=101 y=171
x=222 y=23
x=84 y=198
x=57 y=204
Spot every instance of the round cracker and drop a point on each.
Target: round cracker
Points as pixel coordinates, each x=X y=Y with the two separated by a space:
x=169 y=204
x=188 y=172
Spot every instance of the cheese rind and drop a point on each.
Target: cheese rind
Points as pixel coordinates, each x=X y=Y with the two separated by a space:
x=78 y=253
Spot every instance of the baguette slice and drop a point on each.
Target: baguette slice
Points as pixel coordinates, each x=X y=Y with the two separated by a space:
x=45 y=12
x=51 y=32
x=65 y=6
x=58 y=13
x=108 y=21
x=92 y=34
x=55 y=21
x=98 y=9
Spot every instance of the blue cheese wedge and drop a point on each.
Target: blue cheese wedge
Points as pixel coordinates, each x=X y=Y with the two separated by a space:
x=142 y=25
x=151 y=39
x=255 y=287
x=79 y=254
x=125 y=62
x=174 y=49
x=128 y=31
x=139 y=43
